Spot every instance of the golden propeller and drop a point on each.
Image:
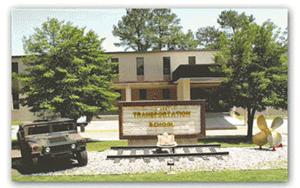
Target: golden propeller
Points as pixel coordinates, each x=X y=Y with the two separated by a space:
x=268 y=135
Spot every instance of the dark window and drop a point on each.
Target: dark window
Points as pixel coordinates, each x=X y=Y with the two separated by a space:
x=16 y=102
x=15 y=87
x=14 y=67
x=120 y=94
x=167 y=65
x=192 y=60
x=63 y=127
x=115 y=60
x=38 y=130
x=116 y=65
x=143 y=94
x=166 y=93
x=140 y=66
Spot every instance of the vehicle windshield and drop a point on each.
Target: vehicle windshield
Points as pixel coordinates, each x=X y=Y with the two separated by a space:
x=38 y=130
x=42 y=129
x=63 y=127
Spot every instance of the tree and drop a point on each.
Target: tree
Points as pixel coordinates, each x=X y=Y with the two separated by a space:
x=255 y=68
x=182 y=41
x=134 y=30
x=208 y=37
x=163 y=23
x=230 y=19
x=67 y=72
x=152 y=29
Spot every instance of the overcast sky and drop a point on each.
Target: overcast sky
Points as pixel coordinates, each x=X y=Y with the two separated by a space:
x=102 y=21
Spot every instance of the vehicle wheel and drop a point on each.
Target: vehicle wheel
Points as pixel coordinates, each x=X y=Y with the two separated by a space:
x=82 y=158
x=35 y=161
x=29 y=163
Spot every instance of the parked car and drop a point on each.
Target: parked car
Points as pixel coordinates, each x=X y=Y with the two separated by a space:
x=51 y=139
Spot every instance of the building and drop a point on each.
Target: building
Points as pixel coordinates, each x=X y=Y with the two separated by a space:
x=165 y=75
x=154 y=75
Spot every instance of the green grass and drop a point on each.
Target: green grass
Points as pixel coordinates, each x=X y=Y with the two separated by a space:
x=16 y=122
x=104 y=145
x=228 y=145
x=228 y=141
x=275 y=175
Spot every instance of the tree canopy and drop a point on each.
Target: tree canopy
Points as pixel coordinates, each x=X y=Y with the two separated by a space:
x=232 y=20
x=255 y=64
x=229 y=21
x=209 y=37
x=152 y=29
x=67 y=72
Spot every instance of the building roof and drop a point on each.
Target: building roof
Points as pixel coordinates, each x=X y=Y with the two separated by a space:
x=162 y=51
x=140 y=52
x=196 y=71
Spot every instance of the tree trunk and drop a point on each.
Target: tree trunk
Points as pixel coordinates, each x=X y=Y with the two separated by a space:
x=250 y=119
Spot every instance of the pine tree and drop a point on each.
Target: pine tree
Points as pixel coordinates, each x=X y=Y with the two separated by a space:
x=152 y=29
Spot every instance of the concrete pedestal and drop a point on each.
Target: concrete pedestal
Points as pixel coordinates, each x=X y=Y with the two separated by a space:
x=148 y=142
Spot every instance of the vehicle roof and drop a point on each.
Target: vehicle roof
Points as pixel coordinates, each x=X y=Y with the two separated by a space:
x=46 y=122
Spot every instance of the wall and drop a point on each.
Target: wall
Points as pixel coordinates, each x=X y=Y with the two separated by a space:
x=153 y=63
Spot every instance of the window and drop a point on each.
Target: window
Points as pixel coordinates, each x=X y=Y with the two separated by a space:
x=15 y=87
x=167 y=65
x=120 y=94
x=115 y=60
x=38 y=130
x=192 y=60
x=140 y=66
x=63 y=127
x=166 y=93
x=116 y=65
x=16 y=103
x=143 y=94
x=14 y=67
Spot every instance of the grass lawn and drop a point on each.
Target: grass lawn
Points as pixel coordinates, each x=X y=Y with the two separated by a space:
x=225 y=142
x=104 y=145
x=278 y=175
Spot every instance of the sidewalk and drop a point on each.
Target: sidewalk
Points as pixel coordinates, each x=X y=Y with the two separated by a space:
x=109 y=130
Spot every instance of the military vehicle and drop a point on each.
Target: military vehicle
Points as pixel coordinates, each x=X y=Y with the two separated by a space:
x=51 y=139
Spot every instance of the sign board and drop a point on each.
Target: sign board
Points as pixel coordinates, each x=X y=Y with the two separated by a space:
x=147 y=119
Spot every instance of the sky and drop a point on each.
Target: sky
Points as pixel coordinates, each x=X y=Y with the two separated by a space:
x=24 y=20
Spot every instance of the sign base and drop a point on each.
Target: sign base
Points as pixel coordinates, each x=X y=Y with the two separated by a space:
x=152 y=141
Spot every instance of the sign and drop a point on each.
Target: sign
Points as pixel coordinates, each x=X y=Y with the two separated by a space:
x=151 y=118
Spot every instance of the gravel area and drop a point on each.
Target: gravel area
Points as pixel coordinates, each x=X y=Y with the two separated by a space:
x=238 y=159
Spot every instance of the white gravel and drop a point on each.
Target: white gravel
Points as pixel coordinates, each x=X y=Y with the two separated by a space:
x=238 y=159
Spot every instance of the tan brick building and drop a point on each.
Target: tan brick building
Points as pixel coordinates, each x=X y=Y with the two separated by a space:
x=155 y=75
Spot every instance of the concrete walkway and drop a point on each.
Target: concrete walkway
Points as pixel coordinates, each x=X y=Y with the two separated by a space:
x=109 y=129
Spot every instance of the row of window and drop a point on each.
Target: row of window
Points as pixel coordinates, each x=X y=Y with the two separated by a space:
x=166 y=64
x=143 y=94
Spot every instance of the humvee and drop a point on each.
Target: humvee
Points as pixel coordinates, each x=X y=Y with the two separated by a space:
x=51 y=139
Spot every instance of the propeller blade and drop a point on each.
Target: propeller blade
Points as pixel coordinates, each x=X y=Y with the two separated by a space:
x=277 y=122
x=261 y=122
